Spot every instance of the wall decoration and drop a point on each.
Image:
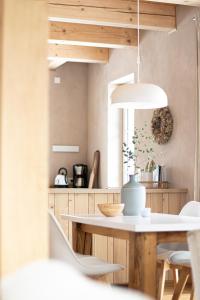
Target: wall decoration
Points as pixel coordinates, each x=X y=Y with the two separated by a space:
x=162 y=125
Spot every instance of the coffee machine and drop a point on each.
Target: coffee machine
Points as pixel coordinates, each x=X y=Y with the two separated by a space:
x=80 y=176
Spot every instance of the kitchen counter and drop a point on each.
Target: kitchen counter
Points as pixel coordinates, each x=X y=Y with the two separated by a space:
x=110 y=190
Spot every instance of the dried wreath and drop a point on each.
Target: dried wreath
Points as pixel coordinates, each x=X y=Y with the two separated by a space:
x=162 y=125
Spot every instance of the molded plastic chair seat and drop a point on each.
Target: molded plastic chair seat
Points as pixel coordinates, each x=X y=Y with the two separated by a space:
x=61 y=249
x=191 y=209
x=99 y=264
x=88 y=260
x=194 y=245
x=176 y=255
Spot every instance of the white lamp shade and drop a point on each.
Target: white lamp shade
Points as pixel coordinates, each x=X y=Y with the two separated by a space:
x=139 y=96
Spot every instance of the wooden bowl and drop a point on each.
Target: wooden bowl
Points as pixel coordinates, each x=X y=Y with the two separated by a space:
x=111 y=209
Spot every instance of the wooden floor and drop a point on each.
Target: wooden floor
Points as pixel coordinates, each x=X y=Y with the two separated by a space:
x=169 y=291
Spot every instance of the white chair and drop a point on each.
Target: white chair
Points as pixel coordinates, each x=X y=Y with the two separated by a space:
x=176 y=257
x=194 y=246
x=60 y=249
x=50 y=280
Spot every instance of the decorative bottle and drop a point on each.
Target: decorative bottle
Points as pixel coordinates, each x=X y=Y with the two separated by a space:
x=133 y=195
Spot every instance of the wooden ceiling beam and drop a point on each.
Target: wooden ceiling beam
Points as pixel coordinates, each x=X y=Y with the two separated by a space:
x=180 y=2
x=91 y=35
x=115 y=13
x=78 y=54
x=56 y=63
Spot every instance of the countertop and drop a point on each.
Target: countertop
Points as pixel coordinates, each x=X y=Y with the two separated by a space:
x=110 y=190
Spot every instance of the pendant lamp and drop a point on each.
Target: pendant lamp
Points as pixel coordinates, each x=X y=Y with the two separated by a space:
x=139 y=95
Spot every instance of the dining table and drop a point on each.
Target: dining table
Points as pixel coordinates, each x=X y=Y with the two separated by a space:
x=143 y=234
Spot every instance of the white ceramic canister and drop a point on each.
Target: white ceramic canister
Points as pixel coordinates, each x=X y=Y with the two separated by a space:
x=133 y=195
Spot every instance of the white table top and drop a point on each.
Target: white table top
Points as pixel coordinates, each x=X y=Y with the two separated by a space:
x=155 y=223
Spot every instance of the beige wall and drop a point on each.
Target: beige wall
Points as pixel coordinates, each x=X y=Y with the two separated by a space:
x=168 y=60
x=24 y=134
x=68 y=115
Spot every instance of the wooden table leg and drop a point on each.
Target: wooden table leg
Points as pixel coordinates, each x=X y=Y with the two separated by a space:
x=81 y=241
x=143 y=262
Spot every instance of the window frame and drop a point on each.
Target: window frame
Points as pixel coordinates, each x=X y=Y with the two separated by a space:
x=115 y=136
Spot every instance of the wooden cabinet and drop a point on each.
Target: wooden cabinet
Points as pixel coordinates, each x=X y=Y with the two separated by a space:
x=84 y=201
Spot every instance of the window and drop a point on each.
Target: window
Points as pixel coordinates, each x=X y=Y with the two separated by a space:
x=120 y=126
x=128 y=132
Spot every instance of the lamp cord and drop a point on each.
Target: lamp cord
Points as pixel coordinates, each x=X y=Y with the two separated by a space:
x=138 y=40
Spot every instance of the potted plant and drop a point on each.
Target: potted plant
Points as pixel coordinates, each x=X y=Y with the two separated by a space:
x=148 y=172
x=133 y=193
x=140 y=155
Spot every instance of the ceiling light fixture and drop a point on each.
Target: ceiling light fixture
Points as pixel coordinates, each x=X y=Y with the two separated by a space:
x=139 y=95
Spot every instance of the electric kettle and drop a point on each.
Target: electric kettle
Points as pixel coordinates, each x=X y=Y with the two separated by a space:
x=61 y=180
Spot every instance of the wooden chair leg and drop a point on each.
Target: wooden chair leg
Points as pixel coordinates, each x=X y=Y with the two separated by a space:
x=102 y=278
x=184 y=274
x=163 y=268
x=175 y=276
x=192 y=293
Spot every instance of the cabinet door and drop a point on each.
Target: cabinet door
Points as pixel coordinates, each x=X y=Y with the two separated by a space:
x=176 y=202
x=62 y=207
x=110 y=243
x=71 y=202
x=81 y=204
x=120 y=254
x=51 y=203
x=148 y=200
x=156 y=203
x=168 y=203
x=109 y=249
x=78 y=205
x=100 y=242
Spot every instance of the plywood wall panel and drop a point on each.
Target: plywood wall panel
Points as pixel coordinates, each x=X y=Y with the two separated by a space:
x=24 y=133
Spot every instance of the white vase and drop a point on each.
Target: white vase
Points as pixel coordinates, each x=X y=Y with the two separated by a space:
x=133 y=195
